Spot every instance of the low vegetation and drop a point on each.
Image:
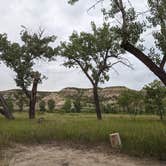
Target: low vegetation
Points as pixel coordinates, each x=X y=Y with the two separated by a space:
x=143 y=135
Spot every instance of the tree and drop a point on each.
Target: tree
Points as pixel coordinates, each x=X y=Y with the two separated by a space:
x=10 y=104
x=107 y=108
x=130 y=28
x=42 y=106
x=21 y=59
x=51 y=105
x=21 y=100
x=5 y=111
x=131 y=101
x=94 y=53
x=155 y=97
x=77 y=100
x=67 y=105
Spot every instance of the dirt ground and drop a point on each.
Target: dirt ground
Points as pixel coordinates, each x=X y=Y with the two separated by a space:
x=61 y=155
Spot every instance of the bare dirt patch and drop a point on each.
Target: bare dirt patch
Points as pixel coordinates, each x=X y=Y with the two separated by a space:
x=61 y=155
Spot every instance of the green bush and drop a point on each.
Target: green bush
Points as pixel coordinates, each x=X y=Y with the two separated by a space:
x=51 y=105
x=42 y=106
x=67 y=105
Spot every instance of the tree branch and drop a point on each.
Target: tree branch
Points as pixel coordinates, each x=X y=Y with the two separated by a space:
x=162 y=64
x=119 y=4
x=26 y=91
x=94 y=5
x=86 y=73
x=146 y=60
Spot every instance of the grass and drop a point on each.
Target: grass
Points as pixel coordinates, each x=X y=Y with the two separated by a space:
x=143 y=135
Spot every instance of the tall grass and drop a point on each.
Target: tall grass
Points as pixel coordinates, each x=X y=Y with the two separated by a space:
x=143 y=135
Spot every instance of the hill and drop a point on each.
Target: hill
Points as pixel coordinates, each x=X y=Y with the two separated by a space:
x=108 y=94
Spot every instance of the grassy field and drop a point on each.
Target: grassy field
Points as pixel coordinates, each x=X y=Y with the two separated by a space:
x=143 y=135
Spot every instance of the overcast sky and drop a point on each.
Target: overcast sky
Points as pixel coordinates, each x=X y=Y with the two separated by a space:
x=59 y=18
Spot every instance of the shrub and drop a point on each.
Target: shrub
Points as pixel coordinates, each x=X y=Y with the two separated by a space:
x=67 y=105
x=42 y=106
x=51 y=105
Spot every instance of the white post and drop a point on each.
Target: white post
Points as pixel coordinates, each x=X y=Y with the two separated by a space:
x=115 y=140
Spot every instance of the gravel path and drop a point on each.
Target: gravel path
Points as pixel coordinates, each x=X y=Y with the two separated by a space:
x=61 y=155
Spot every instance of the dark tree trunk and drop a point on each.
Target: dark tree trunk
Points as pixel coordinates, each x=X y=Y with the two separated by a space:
x=32 y=102
x=160 y=110
x=158 y=71
x=97 y=102
x=161 y=115
x=5 y=111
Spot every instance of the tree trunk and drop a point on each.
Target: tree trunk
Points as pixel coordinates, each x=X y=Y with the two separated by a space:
x=97 y=102
x=160 y=109
x=161 y=115
x=159 y=72
x=32 y=102
x=5 y=111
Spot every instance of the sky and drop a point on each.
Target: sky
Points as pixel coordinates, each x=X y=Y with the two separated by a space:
x=59 y=18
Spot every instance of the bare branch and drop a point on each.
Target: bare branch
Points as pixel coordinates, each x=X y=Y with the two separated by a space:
x=115 y=70
x=94 y=5
x=83 y=69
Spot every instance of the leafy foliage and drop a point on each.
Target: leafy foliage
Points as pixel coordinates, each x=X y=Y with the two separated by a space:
x=129 y=27
x=10 y=103
x=95 y=53
x=72 y=1
x=131 y=101
x=42 y=106
x=21 y=100
x=67 y=105
x=158 y=18
x=21 y=58
x=77 y=101
x=155 y=97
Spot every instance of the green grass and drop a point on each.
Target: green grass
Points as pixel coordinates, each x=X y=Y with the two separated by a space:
x=144 y=135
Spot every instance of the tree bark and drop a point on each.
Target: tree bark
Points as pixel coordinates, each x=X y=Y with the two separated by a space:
x=97 y=103
x=161 y=114
x=5 y=111
x=159 y=72
x=32 y=102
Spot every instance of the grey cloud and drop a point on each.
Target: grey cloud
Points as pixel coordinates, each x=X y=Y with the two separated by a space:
x=60 y=19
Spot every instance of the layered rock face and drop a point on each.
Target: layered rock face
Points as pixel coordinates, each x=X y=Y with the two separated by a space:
x=108 y=94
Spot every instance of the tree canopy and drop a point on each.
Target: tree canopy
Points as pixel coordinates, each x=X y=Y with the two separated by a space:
x=130 y=27
x=21 y=59
x=95 y=53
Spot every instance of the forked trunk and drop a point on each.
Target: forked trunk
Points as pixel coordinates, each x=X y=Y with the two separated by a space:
x=5 y=111
x=97 y=103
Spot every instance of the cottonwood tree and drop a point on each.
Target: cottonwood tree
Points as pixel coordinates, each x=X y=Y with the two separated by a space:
x=94 y=53
x=131 y=101
x=5 y=111
x=130 y=28
x=155 y=94
x=22 y=58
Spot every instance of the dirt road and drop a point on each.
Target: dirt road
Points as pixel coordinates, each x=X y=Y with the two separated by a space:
x=61 y=155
